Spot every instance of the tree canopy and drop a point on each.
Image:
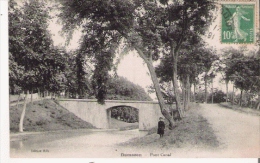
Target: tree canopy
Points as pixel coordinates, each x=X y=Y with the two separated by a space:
x=147 y=26
x=120 y=88
x=158 y=30
x=32 y=55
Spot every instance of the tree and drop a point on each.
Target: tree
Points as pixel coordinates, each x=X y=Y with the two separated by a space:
x=30 y=48
x=119 y=88
x=51 y=71
x=227 y=60
x=76 y=75
x=218 y=96
x=108 y=22
x=208 y=59
x=82 y=75
x=184 y=21
x=32 y=41
x=242 y=70
x=172 y=24
x=146 y=26
x=222 y=68
x=194 y=60
x=246 y=75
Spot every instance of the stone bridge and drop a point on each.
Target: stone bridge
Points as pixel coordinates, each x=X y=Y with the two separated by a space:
x=100 y=115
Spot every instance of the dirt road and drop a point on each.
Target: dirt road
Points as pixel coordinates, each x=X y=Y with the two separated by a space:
x=86 y=143
x=238 y=133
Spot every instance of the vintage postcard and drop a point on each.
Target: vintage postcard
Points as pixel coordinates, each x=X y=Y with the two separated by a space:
x=131 y=79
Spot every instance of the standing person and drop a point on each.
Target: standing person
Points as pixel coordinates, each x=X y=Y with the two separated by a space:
x=161 y=127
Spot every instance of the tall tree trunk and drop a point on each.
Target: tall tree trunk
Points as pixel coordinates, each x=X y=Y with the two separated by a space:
x=212 y=91
x=188 y=92
x=31 y=96
x=241 y=97
x=188 y=88
x=23 y=113
x=233 y=95
x=39 y=94
x=206 y=87
x=65 y=94
x=175 y=83
x=194 y=92
x=18 y=100
x=159 y=94
x=183 y=88
x=258 y=105
x=155 y=81
x=248 y=99
x=227 y=90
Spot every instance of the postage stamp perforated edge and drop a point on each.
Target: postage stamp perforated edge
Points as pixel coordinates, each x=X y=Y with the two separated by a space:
x=240 y=2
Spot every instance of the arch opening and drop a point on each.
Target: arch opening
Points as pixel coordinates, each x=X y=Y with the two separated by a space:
x=123 y=117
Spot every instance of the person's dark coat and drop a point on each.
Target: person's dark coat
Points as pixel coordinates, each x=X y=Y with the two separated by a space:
x=161 y=127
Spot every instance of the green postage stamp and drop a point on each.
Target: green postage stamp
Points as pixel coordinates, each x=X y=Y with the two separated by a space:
x=238 y=23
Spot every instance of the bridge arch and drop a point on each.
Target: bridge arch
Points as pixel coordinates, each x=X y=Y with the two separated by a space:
x=97 y=114
x=128 y=114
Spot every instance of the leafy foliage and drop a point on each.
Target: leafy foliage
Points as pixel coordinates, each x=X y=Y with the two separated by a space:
x=33 y=58
x=193 y=61
x=76 y=75
x=122 y=89
x=218 y=96
x=243 y=70
x=101 y=22
x=125 y=113
x=147 y=26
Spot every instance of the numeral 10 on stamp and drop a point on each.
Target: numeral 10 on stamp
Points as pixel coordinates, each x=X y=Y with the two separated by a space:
x=238 y=23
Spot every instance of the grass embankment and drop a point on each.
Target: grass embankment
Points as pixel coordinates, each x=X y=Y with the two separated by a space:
x=45 y=115
x=193 y=131
x=240 y=109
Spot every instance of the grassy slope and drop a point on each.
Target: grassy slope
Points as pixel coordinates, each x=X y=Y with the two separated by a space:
x=45 y=115
x=193 y=131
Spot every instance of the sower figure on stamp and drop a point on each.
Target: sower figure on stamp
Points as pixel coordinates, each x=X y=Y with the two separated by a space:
x=161 y=127
x=238 y=32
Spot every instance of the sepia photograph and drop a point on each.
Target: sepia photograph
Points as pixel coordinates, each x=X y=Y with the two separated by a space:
x=132 y=79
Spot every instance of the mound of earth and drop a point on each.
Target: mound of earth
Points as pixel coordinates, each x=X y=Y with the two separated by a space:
x=193 y=131
x=45 y=115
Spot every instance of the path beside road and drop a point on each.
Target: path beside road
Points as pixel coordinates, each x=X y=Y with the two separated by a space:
x=238 y=133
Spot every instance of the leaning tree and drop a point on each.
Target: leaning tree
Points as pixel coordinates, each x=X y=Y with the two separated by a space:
x=145 y=26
